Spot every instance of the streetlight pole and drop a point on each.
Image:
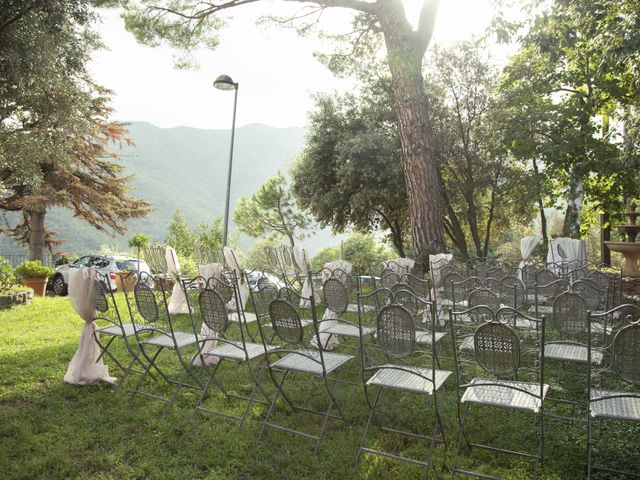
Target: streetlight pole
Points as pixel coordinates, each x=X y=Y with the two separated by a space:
x=224 y=82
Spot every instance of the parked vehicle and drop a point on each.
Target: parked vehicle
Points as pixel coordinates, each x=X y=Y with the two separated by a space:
x=105 y=264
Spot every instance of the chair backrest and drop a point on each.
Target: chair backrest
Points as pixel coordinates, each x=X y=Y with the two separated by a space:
x=396 y=331
x=370 y=304
x=596 y=297
x=497 y=348
x=272 y=258
x=570 y=314
x=483 y=296
x=545 y=276
x=389 y=278
x=223 y=286
x=148 y=305
x=626 y=353
x=513 y=291
x=448 y=281
x=155 y=256
x=261 y=298
x=286 y=322
x=207 y=255
x=336 y=296
x=106 y=305
x=213 y=310
x=421 y=286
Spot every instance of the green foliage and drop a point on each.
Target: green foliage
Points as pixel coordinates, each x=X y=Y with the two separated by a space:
x=55 y=128
x=33 y=269
x=7 y=275
x=111 y=439
x=327 y=254
x=180 y=236
x=350 y=174
x=139 y=241
x=271 y=211
x=256 y=257
x=365 y=250
x=209 y=236
x=575 y=75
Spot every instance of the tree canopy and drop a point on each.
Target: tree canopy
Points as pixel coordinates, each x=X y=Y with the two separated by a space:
x=55 y=131
x=272 y=211
x=187 y=25
x=350 y=173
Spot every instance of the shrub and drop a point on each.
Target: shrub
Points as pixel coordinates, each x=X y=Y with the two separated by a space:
x=33 y=269
x=7 y=275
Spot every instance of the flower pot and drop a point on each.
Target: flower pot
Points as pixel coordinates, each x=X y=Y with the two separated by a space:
x=39 y=285
x=125 y=281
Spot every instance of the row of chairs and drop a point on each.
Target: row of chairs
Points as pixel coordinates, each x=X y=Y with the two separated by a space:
x=401 y=319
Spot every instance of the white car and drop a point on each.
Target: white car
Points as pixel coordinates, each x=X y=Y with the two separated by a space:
x=105 y=264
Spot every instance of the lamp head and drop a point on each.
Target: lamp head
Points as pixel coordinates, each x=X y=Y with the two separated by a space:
x=224 y=82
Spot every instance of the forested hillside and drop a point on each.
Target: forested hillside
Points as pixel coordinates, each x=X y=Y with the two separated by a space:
x=184 y=168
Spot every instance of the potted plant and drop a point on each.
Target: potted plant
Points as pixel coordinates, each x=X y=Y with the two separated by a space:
x=125 y=280
x=34 y=275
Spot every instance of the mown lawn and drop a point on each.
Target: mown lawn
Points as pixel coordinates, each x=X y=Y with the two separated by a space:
x=49 y=429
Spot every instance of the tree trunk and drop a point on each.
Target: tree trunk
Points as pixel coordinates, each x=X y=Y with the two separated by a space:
x=571 y=227
x=543 y=217
x=36 y=231
x=405 y=51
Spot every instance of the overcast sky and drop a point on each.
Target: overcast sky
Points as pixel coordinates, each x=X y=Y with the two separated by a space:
x=275 y=69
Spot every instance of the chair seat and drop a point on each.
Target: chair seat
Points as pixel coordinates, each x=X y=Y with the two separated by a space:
x=410 y=379
x=183 y=339
x=353 y=307
x=542 y=309
x=571 y=353
x=424 y=338
x=300 y=362
x=234 y=350
x=445 y=302
x=116 y=331
x=250 y=317
x=347 y=330
x=621 y=408
x=504 y=394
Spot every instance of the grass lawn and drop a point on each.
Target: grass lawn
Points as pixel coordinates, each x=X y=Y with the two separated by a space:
x=49 y=429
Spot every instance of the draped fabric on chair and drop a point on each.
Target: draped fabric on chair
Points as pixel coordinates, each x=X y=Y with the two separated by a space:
x=435 y=260
x=210 y=270
x=301 y=258
x=527 y=246
x=178 y=303
x=243 y=288
x=83 y=368
x=566 y=250
x=400 y=265
x=326 y=340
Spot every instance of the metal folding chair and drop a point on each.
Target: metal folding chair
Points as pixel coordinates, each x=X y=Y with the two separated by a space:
x=568 y=344
x=507 y=372
x=294 y=355
x=391 y=363
x=109 y=325
x=157 y=332
x=614 y=389
x=210 y=320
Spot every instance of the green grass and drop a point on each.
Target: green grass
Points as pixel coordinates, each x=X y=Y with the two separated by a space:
x=49 y=429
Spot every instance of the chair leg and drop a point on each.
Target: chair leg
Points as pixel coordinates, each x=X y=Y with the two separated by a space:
x=461 y=434
x=144 y=375
x=206 y=387
x=366 y=428
x=273 y=402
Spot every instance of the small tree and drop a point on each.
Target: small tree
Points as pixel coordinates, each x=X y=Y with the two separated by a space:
x=271 y=211
x=139 y=241
x=180 y=236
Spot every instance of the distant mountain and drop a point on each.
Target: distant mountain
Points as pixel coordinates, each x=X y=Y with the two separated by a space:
x=186 y=168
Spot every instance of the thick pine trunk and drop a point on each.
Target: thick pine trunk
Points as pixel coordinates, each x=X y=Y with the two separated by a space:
x=404 y=54
x=36 y=232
